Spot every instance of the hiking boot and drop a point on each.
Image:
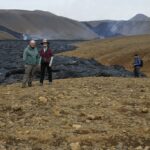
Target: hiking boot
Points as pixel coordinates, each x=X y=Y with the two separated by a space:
x=30 y=84
x=50 y=83
x=41 y=84
x=23 y=86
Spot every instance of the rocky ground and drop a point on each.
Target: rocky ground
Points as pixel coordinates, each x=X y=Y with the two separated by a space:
x=76 y=114
x=12 y=66
x=68 y=67
x=118 y=51
x=19 y=45
x=11 y=53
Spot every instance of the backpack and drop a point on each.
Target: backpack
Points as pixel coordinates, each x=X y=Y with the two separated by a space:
x=141 y=63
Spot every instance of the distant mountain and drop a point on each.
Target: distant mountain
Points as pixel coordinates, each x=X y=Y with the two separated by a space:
x=140 y=17
x=12 y=34
x=138 y=25
x=40 y=24
x=5 y=35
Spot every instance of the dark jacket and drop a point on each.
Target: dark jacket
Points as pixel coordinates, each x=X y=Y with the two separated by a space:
x=46 y=56
x=137 y=61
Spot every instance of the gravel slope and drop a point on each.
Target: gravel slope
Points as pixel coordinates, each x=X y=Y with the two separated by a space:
x=76 y=114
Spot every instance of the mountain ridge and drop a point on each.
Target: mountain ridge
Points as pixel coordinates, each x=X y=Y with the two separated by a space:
x=137 y=25
x=32 y=24
x=140 y=17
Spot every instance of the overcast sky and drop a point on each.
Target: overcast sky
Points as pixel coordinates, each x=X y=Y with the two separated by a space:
x=84 y=9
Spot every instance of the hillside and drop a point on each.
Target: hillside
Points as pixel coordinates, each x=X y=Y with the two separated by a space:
x=41 y=24
x=5 y=35
x=116 y=51
x=76 y=114
x=140 y=17
x=137 y=25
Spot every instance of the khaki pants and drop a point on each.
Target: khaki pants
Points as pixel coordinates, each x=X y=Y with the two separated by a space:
x=29 y=74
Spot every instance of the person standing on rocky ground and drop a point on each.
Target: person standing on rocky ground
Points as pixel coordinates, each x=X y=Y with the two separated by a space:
x=31 y=61
x=46 y=58
x=138 y=63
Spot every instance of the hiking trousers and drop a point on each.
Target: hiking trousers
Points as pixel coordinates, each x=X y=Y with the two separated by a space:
x=29 y=74
x=44 y=67
x=137 y=71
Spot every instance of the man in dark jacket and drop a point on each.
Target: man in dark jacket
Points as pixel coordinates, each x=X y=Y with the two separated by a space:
x=31 y=60
x=46 y=58
x=137 y=65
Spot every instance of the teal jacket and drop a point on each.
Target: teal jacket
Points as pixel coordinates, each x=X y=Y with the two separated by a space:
x=31 y=56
